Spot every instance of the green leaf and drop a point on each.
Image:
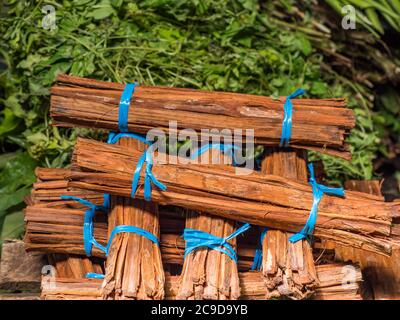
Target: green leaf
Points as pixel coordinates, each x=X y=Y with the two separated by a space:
x=101 y=11
x=9 y=122
x=13 y=226
x=30 y=62
x=15 y=180
x=11 y=199
x=303 y=44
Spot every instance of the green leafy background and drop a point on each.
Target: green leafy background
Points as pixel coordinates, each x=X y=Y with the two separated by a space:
x=264 y=48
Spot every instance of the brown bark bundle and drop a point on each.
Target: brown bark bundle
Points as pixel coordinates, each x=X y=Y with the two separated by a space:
x=140 y=276
x=155 y=107
x=334 y=285
x=288 y=268
x=134 y=268
x=56 y=223
x=47 y=190
x=59 y=230
x=51 y=184
x=382 y=274
x=209 y=274
x=358 y=219
x=54 y=229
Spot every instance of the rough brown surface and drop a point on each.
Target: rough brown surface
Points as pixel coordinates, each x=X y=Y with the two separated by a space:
x=20 y=270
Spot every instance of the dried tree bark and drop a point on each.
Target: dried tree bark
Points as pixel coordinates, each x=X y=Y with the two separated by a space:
x=331 y=287
x=219 y=191
x=155 y=107
x=74 y=266
x=209 y=274
x=381 y=273
x=288 y=268
x=133 y=268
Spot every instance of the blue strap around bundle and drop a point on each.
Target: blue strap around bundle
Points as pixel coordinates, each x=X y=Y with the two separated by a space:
x=113 y=137
x=287 y=118
x=88 y=238
x=318 y=191
x=123 y=229
x=130 y=229
x=106 y=202
x=124 y=104
x=227 y=149
x=257 y=261
x=196 y=239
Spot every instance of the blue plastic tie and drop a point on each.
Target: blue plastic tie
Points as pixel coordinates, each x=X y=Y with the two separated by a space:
x=113 y=137
x=131 y=229
x=123 y=229
x=93 y=275
x=88 y=238
x=287 y=118
x=225 y=148
x=318 y=191
x=149 y=177
x=257 y=261
x=106 y=202
x=124 y=104
x=197 y=239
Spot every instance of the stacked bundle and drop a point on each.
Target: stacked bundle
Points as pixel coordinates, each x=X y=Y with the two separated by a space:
x=145 y=257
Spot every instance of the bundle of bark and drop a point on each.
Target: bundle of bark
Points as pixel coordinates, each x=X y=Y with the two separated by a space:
x=209 y=274
x=47 y=190
x=125 y=277
x=51 y=184
x=318 y=124
x=58 y=229
x=47 y=220
x=358 y=219
x=381 y=274
x=335 y=284
x=133 y=267
x=288 y=268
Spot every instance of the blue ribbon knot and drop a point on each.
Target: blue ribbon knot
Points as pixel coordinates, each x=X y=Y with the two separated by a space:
x=318 y=191
x=197 y=239
x=287 y=118
x=149 y=177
